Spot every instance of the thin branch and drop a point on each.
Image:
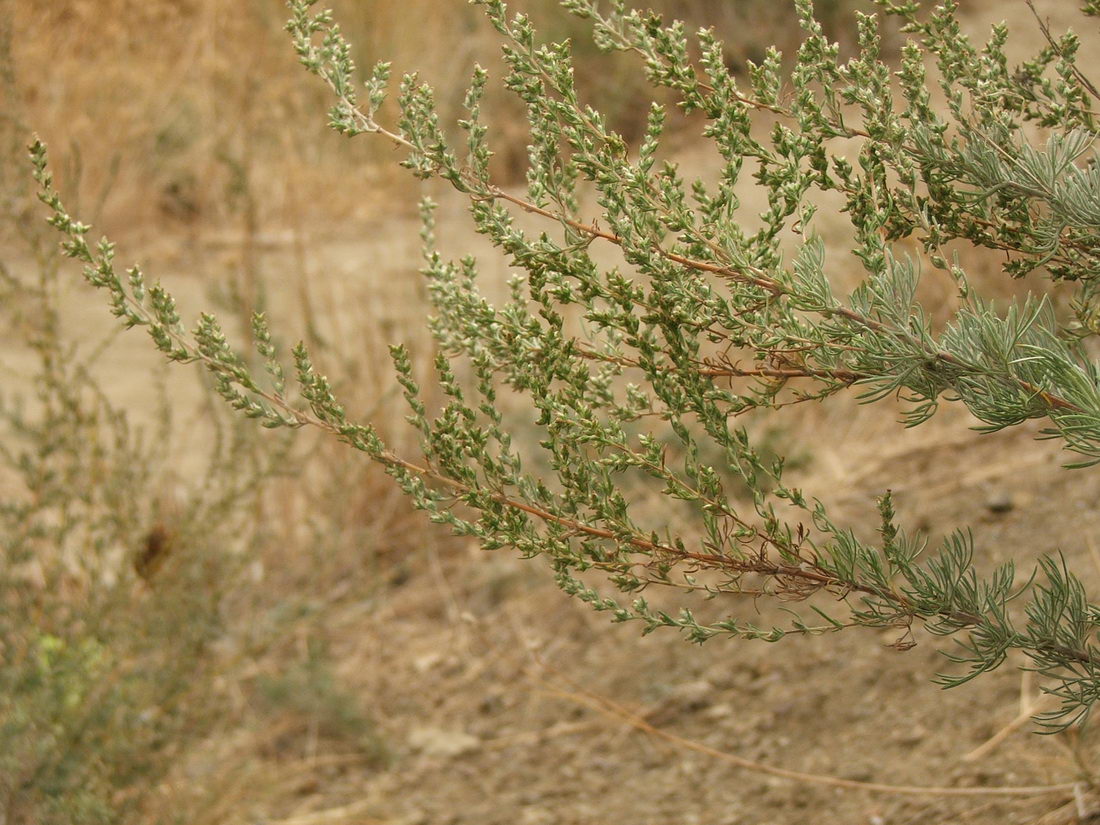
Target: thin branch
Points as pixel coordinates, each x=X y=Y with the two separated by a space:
x=1044 y=27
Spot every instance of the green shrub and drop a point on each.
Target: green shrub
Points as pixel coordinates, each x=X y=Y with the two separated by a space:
x=709 y=316
x=114 y=576
x=117 y=573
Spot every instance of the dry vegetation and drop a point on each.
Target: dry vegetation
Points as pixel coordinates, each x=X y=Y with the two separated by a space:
x=206 y=624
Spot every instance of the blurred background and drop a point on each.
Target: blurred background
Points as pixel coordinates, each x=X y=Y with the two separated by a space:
x=215 y=122
x=201 y=622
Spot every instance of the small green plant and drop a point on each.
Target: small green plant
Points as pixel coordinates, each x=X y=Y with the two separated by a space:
x=709 y=317
x=116 y=573
x=114 y=583
x=310 y=692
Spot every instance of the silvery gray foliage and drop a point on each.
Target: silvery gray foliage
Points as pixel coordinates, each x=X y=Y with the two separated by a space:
x=706 y=321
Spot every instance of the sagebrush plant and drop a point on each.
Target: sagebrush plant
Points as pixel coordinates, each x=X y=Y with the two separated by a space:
x=142 y=594
x=704 y=321
x=114 y=583
x=131 y=614
x=117 y=576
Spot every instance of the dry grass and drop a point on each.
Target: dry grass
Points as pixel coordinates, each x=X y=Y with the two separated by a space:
x=171 y=114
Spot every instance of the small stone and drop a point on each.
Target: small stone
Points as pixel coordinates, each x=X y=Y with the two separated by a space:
x=692 y=695
x=536 y=816
x=724 y=710
x=427 y=661
x=910 y=737
x=441 y=742
x=1000 y=502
